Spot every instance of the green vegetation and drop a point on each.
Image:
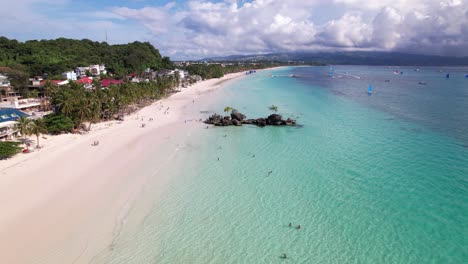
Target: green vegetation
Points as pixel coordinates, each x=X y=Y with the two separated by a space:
x=56 y=56
x=8 y=149
x=273 y=108
x=27 y=127
x=227 y=109
x=58 y=123
x=80 y=105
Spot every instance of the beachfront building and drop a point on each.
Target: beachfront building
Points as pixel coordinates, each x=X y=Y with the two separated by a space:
x=70 y=75
x=28 y=104
x=8 y=121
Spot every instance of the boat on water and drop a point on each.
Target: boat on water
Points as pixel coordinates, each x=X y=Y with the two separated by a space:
x=447 y=76
x=466 y=76
x=422 y=83
x=369 y=89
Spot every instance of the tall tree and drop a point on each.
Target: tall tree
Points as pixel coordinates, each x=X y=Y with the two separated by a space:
x=37 y=127
x=23 y=126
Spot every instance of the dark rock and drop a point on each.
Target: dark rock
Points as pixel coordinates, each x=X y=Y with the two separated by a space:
x=249 y=121
x=261 y=122
x=290 y=122
x=238 y=116
x=274 y=120
x=226 y=122
x=236 y=122
x=238 y=119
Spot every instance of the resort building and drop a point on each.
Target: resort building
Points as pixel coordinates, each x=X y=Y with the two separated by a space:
x=4 y=81
x=35 y=81
x=97 y=70
x=8 y=121
x=70 y=75
x=81 y=71
x=22 y=104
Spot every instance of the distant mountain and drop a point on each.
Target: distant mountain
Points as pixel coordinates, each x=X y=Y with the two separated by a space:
x=348 y=58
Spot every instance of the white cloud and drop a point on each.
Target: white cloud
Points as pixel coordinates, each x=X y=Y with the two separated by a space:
x=204 y=28
x=200 y=28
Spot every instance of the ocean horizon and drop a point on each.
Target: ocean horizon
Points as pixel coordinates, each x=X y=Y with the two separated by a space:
x=371 y=178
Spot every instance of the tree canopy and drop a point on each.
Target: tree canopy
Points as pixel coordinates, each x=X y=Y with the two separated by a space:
x=59 y=55
x=8 y=149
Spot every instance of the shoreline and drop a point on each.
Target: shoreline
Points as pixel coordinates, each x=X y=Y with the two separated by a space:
x=64 y=202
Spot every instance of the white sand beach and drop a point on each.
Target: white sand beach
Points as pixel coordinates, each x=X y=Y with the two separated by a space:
x=63 y=203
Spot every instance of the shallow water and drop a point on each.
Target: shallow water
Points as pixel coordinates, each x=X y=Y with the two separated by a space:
x=371 y=179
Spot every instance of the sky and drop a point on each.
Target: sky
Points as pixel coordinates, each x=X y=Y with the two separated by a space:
x=195 y=29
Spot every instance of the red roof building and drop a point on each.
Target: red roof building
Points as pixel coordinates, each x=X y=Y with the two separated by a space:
x=109 y=82
x=85 y=80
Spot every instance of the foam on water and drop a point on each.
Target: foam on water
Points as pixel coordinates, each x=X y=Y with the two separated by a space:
x=367 y=186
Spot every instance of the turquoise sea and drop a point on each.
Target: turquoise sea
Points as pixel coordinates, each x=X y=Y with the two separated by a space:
x=379 y=178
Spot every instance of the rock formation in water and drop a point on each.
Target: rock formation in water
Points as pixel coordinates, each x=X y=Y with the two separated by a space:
x=239 y=119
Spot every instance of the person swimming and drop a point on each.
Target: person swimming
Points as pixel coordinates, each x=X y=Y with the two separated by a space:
x=299 y=226
x=284 y=256
x=290 y=224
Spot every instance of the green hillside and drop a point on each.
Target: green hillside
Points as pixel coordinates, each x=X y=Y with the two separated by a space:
x=56 y=56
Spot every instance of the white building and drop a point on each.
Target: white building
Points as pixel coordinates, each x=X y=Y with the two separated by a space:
x=70 y=75
x=96 y=70
x=81 y=71
x=4 y=81
x=8 y=121
x=21 y=104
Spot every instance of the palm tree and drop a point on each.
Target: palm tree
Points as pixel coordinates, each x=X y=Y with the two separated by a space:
x=273 y=108
x=227 y=109
x=37 y=127
x=24 y=128
x=95 y=112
